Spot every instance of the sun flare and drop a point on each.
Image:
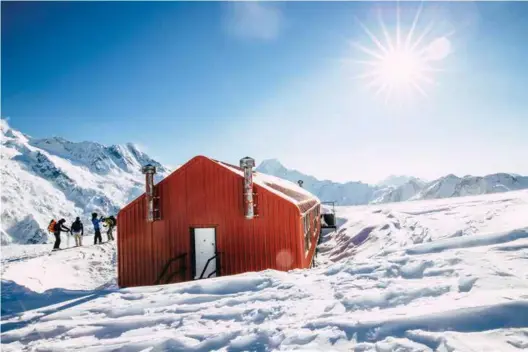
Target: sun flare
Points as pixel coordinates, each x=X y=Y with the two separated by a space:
x=402 y=64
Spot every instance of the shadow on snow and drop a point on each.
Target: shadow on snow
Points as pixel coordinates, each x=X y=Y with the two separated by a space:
x=17 y=299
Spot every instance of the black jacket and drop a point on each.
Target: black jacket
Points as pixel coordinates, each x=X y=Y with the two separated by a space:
x=60 y=227
x=77 y=225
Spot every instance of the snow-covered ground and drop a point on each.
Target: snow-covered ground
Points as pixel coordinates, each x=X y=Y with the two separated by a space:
x=76 y=269
x=441 y=275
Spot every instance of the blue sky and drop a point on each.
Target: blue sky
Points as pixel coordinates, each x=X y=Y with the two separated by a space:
x=273 y=80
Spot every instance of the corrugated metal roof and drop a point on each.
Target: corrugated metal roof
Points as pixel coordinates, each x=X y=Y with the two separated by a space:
x=286 y=189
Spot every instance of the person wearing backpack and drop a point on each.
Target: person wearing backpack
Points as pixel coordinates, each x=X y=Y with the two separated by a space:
x=77 y=230
x=110 y=222
x=97 y=228
x=59 y=226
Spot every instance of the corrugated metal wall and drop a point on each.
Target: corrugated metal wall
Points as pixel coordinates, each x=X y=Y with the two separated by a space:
x=203 y=193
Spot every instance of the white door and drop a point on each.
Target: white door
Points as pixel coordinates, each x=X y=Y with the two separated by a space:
x=204 y=249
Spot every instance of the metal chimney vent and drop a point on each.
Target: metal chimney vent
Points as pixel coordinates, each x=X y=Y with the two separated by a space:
x=149 y=171
x=247 y=164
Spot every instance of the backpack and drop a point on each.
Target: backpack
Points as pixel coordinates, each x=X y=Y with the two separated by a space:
x=112 y=221
x=51 y=226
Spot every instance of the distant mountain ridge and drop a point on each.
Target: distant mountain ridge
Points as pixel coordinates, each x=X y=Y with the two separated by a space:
x=397 y=188
x=398 y=180
x=453 y=186
x=350 y=193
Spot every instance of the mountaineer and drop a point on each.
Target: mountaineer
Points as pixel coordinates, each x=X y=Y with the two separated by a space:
x=97 y=228
x=59 y=226
x=77 y=230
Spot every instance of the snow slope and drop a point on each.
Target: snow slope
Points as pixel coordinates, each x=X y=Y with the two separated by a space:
x=397 y=188
x=437 y=275
x=76 y=269
x=50 y=178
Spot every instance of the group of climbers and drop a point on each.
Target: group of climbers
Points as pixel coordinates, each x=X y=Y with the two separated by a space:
x=77 y=229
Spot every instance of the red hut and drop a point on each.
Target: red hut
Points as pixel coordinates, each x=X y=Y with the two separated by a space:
x=210 y=218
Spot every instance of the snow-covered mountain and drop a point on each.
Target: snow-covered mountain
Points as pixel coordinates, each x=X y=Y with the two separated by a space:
x=397 y=188
x=350 y=193
x=53 y=178
x=398 y=180
x=453 y=186
x=401 y=193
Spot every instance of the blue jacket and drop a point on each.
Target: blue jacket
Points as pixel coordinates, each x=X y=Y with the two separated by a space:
x=96 y=223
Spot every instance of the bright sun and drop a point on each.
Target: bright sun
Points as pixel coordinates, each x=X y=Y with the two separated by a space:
x=399 y=67
x=402 y=65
